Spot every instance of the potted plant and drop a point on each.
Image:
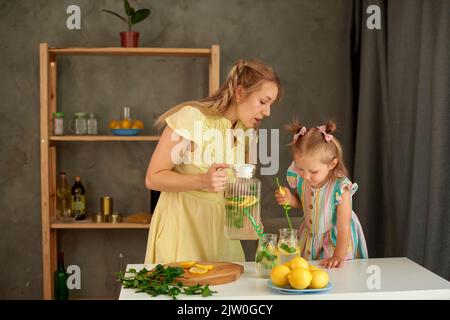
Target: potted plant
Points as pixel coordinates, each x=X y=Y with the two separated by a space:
x=130 y=38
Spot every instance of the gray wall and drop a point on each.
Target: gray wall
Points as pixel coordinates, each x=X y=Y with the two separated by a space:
x=306 y=42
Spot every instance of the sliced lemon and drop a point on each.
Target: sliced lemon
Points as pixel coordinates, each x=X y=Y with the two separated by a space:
x=197 y=270
x=281 y=191
x=249 y=201
x=187 y=264
x=209 y=266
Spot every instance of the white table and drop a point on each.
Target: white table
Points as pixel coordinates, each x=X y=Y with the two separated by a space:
x=400 y=278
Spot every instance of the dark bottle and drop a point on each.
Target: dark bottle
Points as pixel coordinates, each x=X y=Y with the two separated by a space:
x=78 y=200
x=60 y=280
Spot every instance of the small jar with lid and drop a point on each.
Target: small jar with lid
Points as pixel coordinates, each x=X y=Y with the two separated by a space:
x=91 y=124
x=79 y=124
x=58 y=123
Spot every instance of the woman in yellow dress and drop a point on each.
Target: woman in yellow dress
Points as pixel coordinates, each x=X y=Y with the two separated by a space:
x=199 y=140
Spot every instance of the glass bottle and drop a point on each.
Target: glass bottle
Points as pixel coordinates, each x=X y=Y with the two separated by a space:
x=266 y=255
x=78 y=200
x=288 y=247
x=58 y=123
x=63 y=201
x=242 y=203
x=92 y=124
x=80 y=122
x=60 y=280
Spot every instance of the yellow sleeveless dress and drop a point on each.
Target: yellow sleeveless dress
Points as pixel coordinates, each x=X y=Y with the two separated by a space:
x=190 y=225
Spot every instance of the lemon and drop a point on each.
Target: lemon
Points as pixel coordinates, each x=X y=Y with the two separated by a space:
x=313 y=268
x=187 y=264
x=208 y=267
x=297 y=262
x=197 y=270
x=125 y=124
x=138 y=124
x=299 y=278
x=279 y=275
x=319 y=279
x=114 y=124
x=281 y=191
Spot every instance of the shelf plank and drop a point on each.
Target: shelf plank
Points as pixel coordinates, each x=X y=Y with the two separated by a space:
x=92 y=225
x=196 y=52
x=104 y=138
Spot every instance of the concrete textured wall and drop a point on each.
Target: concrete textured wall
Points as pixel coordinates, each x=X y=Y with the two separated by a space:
x=306 y=41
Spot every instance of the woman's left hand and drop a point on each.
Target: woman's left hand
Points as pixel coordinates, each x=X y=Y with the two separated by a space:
x=333 y=262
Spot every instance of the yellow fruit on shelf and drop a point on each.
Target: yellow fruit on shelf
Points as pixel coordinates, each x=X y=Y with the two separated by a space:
x=297 y=262
x=113 y=124
x=137 y=124
x=197 y=270
x=208 y=267
x=279 y=275
x=319 y=280
x=299 y=278
x=187 y=264
x=125 y=124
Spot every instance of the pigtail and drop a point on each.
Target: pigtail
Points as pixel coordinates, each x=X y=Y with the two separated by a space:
x=294 y=128
x=330 y=127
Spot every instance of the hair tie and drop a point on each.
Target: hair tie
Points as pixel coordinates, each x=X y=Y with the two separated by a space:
x=327 y=136
x=301 y=132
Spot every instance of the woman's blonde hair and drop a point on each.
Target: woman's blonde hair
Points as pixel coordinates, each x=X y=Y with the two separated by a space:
x=250 y=74
x=311 y=140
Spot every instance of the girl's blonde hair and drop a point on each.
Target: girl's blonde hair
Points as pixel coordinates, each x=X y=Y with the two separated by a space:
x=250 y=74
x=312 y=140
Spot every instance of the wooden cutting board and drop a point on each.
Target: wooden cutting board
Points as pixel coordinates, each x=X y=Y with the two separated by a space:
x=223 y=272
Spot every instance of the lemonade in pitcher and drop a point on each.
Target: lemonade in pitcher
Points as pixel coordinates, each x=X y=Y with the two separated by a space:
x=242 y=203
x=288 y=247
x=266 y=255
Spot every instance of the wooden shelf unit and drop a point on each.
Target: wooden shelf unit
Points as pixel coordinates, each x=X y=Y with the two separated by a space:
x=48 y=142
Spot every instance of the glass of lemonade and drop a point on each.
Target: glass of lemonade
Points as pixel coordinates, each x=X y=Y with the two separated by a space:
x=266 y=255
x=288 y=247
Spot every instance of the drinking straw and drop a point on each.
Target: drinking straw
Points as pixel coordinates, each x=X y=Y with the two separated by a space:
x=258 y=227
x=286 y=206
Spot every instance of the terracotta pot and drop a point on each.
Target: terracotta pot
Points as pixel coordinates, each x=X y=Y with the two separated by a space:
x=129 y=39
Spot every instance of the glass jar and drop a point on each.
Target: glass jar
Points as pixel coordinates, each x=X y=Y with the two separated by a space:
x=92 y=124
x=242 y=203
x=79 y=124
x=58 y=123
x=266 y=255
x=288 y=247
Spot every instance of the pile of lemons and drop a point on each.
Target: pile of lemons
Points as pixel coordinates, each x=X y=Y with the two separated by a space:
x=126 y=124
x=299 y=275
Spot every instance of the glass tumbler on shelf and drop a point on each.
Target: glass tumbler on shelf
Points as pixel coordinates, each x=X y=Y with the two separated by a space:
x=266 y=255
x=242 y=203
x=288 y=247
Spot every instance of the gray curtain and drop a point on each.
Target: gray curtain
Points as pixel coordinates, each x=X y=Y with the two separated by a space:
x=402 y=115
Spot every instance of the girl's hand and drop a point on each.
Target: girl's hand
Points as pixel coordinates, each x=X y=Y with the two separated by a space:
x=283 y=196
x=333 y=262
x=214 y=179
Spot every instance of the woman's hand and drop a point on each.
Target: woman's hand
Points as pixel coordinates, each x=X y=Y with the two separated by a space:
x=283 y=196
x=333 y=262
x=214 y=179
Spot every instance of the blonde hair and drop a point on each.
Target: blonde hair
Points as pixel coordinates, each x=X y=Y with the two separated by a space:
x=250 y=74
x=313 y=140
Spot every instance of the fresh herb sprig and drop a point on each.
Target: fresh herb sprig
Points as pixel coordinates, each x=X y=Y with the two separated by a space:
x=161 y=281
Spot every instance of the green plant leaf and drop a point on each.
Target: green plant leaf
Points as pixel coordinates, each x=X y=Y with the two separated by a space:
x=286 y=248
x=116 y=14
x=128 y=9
x=140 y=15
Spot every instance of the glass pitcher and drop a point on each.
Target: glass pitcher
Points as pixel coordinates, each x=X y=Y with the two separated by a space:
x=266 y=255
x=78 y=124
x=242 y=203
x=288 y=247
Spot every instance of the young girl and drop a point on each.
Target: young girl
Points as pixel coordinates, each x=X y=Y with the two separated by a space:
x=330 y=230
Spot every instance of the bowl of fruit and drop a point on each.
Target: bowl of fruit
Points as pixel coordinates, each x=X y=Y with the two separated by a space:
x=126 y=127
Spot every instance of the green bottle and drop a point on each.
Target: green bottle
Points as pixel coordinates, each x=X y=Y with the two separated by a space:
x=60 y=279
x=78 y=200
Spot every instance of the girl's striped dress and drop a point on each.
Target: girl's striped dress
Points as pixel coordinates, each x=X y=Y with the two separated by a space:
x=318 y=231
